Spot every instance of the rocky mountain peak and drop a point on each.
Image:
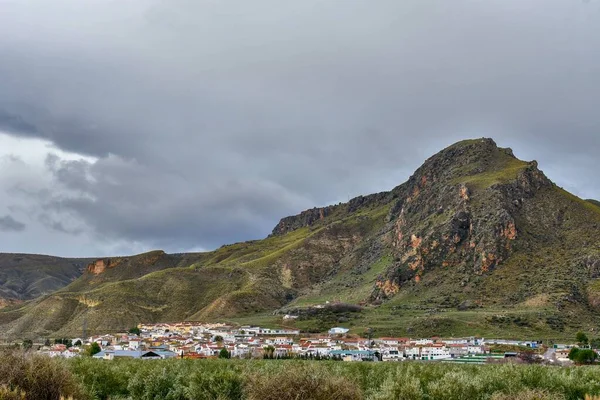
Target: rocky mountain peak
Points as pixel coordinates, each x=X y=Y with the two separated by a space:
x=460 y=209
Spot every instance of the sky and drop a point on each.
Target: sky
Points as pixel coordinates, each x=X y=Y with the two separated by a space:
x=183 y=125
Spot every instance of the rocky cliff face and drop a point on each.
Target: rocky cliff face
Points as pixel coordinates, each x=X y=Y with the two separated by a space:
x=318 y=215
x=305 y=218
x=460 y=209
x=98 y=266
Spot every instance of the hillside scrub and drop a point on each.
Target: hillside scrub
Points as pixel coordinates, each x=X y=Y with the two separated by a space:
x=38 y=377
x=30 y=376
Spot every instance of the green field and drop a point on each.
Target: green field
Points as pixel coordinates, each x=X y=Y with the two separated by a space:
x=39 y=378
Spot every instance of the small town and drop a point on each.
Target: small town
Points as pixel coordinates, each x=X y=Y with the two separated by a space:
x=191 y=340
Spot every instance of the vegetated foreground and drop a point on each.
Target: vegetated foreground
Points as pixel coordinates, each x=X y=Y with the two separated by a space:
x=29 y=376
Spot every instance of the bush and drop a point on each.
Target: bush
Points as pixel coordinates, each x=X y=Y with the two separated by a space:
x=44 y=378
x=6 y=393
x=93 y=349
x=101 y=379
x=41 y=377
x=304 y=381
x=582 y=356
x=528 y=395
x=135 y=331
x=300 y=381
x=217 y=384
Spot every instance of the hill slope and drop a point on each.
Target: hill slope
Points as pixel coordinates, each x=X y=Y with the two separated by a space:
x=476 y=242
x=27 y=276
x=595 y=202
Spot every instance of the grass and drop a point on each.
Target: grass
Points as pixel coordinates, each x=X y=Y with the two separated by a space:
x=501 y=168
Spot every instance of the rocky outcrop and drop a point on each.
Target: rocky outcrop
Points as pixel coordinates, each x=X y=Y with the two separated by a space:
x=305 y=218
x=459 y=210
x=319 y=214
x=98 y=266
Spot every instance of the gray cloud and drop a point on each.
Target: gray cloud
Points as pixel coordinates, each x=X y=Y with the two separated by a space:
x=9 y=224
x=209 y=121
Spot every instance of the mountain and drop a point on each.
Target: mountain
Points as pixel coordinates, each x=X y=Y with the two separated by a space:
x=26 y=276
x=476 y=242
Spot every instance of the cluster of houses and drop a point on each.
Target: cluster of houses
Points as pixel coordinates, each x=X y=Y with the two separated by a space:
x=195 y=340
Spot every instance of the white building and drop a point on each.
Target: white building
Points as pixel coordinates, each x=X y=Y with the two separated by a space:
x=338 y=331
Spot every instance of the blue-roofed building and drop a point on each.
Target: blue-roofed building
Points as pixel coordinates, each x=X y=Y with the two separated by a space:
x=354 y=355
x=141 y=354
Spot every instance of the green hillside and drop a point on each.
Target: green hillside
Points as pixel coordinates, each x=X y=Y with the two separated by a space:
x=28 y=276
x=594 y=202
x=476 y=242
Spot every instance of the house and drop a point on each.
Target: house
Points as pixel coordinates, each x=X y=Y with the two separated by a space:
x=338 y=331
x=390 y=341
x=435 y=352
x=144 y=355
x=354 y=355
x=562 y=355
x=392 y=354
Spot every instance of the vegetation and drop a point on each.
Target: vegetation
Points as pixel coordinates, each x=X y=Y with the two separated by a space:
x=135 y=331
x=27 y=276
x=486 y=246
x=583 y=356
x=224 y=353
x=94 y=348
x=31 y=376
x=66 y=342
x=28 y=376
x=582 y=339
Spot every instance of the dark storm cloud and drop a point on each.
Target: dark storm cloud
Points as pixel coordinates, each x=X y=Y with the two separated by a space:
x=212 y=119
x=114 y=198
x=15 y=123
x=9 y=224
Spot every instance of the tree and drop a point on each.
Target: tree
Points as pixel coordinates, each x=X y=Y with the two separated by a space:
x=27 y=344
x=582 y=338
x=77 y=343
x=529 y=357
x=93 y=349
x=66 y=342
x=135 y=331
x=224 y=353
x=582 y=356
x=268 y=352
x=595 y=343
x=47 y=343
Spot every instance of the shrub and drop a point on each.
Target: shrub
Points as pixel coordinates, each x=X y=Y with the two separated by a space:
x=528 y=395
x=583 y=356
x=6 y=393
x=41 y=377
x=224 y=353
x=158 y=382
x=392 y=389
x=102 y=380
x=218 y=384
x=301 y=382
x=93 y=349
